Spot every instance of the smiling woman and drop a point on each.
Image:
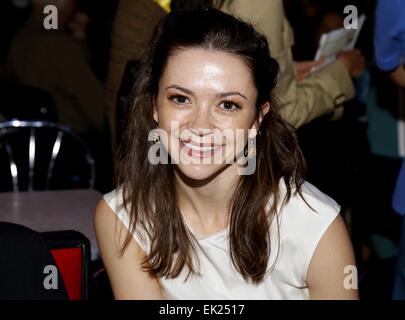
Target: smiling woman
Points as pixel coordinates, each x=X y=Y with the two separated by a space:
x=210 y=94
x=197 y=230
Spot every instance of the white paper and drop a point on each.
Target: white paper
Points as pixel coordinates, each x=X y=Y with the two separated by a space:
x=336 y=41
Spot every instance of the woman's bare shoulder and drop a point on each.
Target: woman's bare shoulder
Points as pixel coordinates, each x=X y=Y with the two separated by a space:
x=124 y=268
x=333 y=276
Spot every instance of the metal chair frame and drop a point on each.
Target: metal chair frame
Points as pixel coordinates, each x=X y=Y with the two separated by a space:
x=9 y=127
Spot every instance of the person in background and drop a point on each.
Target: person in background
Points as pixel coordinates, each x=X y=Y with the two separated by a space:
x=399 y=207
x=133 y=27
x=398 y=201
x=389 y=45
x=389 y=39
x=315 y=95
x=54 y=60
x=58 y=61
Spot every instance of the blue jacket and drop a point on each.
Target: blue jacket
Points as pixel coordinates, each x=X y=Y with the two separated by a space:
x=398 y=202
x=389 y=38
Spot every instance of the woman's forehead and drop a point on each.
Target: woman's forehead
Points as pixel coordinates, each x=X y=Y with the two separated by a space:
x=205 y=68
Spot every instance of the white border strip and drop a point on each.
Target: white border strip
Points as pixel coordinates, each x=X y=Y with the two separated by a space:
x=401 y=138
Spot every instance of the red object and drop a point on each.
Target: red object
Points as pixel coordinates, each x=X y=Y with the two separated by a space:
x=69 y=263
x=71 y=252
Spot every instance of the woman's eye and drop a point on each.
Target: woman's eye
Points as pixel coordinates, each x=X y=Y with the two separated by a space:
x=179 y=99
x=230 y=106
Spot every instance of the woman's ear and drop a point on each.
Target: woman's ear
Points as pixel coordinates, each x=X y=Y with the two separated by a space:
x=263 y=111
x=155 y=113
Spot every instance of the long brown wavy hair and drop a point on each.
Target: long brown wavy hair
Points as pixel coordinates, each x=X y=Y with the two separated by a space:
x=149 y=191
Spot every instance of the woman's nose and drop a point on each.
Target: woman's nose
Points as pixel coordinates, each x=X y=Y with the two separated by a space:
x=201 y=121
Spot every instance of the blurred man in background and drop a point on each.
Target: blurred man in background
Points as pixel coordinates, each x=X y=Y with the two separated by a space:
x=54 y=60
x=389 y=42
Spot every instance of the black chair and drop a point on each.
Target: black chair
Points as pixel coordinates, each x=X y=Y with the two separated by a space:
x=38 y=155
x=25 y=256
x=71 y=252
x=25 y=103
x=24 y=260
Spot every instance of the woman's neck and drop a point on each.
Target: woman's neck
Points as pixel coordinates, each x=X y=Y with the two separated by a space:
x=205 y=204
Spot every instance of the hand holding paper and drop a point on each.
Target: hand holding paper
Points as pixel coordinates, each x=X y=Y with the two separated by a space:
x=353 y=61
x=336 y=42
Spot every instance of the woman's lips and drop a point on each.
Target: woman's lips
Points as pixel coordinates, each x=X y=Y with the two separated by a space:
x=199 y=150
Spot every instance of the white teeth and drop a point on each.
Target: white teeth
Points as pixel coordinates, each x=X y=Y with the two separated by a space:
x=199 y=149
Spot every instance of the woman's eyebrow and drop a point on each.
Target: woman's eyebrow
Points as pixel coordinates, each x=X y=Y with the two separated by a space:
x=230 y=93
x=219 y=95
x=175 y=86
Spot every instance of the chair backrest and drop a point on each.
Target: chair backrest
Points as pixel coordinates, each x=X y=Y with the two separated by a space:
x=24 y=256
x=26 y=103
x=40 y=155
x=71 y=252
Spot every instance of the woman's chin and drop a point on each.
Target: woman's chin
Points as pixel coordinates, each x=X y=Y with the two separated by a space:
x=199 y=172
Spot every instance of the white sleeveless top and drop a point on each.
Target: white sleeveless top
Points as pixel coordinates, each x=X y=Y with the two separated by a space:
x=300 y=229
